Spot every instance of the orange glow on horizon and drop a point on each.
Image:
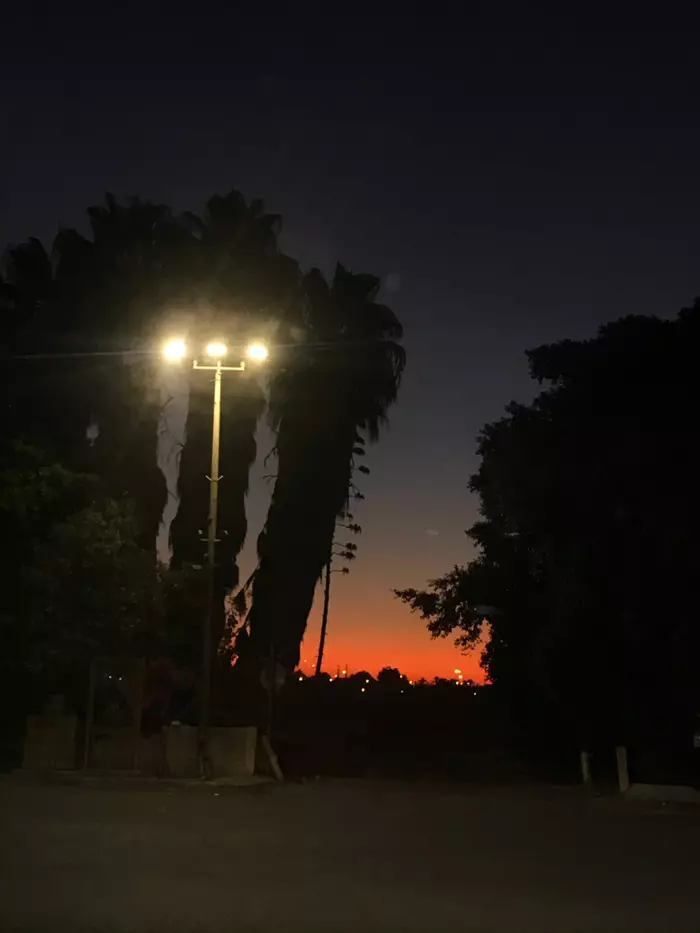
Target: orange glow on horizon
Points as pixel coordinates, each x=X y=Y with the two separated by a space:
x=368 y=627
x=402 y=641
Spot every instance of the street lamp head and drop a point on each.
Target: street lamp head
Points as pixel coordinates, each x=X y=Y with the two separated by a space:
x=216 y=349
x=174 y=350
x=257 y=352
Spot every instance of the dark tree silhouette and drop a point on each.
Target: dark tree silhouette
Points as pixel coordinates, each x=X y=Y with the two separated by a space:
x=95 y=308
x=590 y=507
x=391 y=679
x=346 y=553
x=42 y=398
x=360 y=679
x=94 y=305
x=249 y=285
x=340 y=375
x=86 y=311
x=78 y=583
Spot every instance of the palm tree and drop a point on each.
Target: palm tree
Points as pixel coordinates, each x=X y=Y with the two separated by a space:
x=86 y=309
x=245 y=285
x=25 y=290
x=119 y=284
x=140 y=272
x=340 y=375
x=47 y=390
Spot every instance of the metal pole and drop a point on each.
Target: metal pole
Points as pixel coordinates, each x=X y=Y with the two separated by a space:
x=89 y=712
x=324 y=619
x=205 y=699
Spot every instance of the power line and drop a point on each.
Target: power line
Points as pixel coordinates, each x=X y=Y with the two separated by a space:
x=77 y=354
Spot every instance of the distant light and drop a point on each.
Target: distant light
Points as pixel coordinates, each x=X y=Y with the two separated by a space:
x=402 y=691
x=301 y=678
x=411 y=682
x=458 y=670
x=216 y=349
x=343 y=672
x=257 y=351
x=363 y=689
x=461 y=676
x=366 y=680
x=174 y=350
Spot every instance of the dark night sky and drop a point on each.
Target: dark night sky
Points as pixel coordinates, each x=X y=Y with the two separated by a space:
x=511 y=184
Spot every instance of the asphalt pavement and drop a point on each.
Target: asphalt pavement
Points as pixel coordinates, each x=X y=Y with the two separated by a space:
x=342 y=857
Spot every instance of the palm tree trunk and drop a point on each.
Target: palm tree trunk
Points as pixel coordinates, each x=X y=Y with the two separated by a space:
x=324 y=619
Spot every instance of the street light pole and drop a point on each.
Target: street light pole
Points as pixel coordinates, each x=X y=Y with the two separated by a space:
x=212 y=521
x=177 y=350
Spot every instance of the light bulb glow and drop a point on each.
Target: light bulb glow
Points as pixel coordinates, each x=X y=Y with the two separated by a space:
x=174 y=349
x=257 y=352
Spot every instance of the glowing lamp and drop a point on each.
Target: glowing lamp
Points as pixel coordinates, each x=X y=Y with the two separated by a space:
x=257 y=352
x=174 y=350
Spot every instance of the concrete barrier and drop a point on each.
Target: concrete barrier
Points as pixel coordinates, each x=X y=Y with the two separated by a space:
x=118 y=748
x=50 y=745
x=232 y=750
x=671 y=793
x=49 y=742
x=112 y=748
x=181 y=751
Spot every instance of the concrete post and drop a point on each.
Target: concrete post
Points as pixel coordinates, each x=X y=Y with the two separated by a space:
x=623 y=777
x=586 y=768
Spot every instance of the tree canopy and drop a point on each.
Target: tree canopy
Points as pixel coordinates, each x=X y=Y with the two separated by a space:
x=83 y=322
x=589 y=506
x=77 y=582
